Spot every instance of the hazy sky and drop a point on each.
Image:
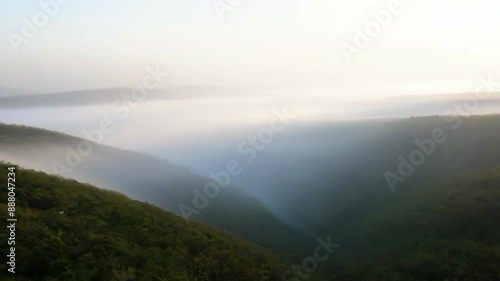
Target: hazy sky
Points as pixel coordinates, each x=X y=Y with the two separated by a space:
x=429 y=47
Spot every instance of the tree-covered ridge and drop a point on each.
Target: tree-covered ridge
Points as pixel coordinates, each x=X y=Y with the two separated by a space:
x=72 y=231
x=444 y=230
x=154 y=180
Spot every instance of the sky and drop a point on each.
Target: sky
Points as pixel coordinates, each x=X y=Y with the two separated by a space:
x=279 y=47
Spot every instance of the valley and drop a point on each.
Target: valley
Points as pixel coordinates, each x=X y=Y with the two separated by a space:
x=231 y=140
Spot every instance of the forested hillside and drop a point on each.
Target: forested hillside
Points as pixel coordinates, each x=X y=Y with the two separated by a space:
x=449 y=229
x=72 y=231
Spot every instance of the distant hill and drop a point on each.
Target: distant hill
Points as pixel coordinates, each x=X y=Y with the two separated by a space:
x=72 y=231
x=105 y=96
x=154 y=180
x=339 y=166
x=471 y=147
x=6 y=91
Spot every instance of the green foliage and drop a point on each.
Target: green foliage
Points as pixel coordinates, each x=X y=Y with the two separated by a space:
x=447 y=229
x=103 y=235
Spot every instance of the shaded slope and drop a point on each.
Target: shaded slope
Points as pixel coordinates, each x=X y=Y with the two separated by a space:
x=153 y=180
x=473 y=147
x=326 y=174
x=444 y=230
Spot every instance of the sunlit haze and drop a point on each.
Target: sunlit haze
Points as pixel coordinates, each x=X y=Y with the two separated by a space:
x=270 y=47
